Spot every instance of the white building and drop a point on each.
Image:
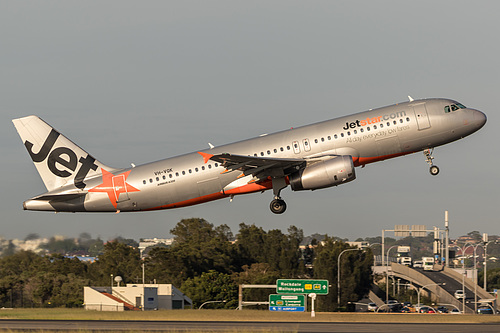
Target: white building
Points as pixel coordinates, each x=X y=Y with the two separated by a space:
x=135 y=297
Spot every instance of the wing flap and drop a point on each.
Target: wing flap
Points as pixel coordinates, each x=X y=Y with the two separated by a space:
x=260 y=167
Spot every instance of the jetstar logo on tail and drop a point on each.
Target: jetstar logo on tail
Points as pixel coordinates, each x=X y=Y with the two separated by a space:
x=56 y=159
x=114 y=186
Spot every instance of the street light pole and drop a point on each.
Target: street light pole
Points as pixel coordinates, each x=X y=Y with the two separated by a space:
x=387 y=275
x=338 y=274
x=447 y=240
x=474 y=273
x=423 y=287
x=224 y=301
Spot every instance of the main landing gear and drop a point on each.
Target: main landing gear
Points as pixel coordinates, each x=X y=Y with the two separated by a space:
x=278 y=205
x=434 y=170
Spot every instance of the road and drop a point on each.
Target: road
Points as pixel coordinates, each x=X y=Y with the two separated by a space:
x=201 y=326
x=451 y=286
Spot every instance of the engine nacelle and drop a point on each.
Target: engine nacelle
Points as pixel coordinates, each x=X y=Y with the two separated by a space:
x=335 y=171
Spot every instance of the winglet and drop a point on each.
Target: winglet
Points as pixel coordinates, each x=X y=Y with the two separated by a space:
x=410 y=98
x=206 y=156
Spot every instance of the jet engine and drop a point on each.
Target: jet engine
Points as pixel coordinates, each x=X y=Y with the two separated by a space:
x=325 y=173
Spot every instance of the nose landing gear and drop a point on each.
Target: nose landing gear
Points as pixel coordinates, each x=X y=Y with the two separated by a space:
x=434 y=170
x=278 y=205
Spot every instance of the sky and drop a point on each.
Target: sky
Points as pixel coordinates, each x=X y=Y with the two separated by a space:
x=139 y=81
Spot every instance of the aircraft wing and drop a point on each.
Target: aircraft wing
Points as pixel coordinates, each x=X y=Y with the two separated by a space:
x=260 y=167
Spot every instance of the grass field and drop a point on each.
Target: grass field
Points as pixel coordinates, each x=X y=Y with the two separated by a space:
x=245 y=315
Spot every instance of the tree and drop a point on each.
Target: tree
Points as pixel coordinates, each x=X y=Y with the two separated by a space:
x=355 y=268
x=258 y=273
x=118 y=259
x=198 y=248
x=212 y=286
x=32 y=236
x=280 y=251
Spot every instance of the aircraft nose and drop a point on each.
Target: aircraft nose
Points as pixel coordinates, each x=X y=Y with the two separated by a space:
x=479 y=119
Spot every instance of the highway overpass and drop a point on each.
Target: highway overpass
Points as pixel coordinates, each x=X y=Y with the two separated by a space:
x=442 y=294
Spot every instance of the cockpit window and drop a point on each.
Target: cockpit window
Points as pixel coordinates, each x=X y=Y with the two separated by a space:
x=453 y=107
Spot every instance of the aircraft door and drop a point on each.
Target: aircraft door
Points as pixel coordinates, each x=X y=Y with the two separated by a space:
x=422 y=117
x=119 y=187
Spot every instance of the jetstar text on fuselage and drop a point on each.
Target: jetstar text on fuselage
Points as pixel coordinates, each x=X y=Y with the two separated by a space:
x=373 y=120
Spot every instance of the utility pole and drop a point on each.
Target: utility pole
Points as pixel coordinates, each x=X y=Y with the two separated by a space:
x=485 y=241
x=447 y=239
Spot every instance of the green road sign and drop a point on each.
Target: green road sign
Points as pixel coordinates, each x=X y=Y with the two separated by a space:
x=289 y=303
x=295 y=286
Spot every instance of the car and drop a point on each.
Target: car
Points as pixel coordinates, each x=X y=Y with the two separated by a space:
x=405 y=310
x=442 y=309
x=484 y=310
x=459 y=294
x=372 y=307
x=431 y=310
x=423 y=309
x=418 y=264
x=455 y=311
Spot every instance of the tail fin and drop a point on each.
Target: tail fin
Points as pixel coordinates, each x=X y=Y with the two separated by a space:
x=59 y=161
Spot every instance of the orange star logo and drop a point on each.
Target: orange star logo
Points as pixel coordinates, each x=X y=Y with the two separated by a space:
x=114 y=185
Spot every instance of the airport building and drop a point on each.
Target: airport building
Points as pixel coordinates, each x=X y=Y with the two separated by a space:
x=135 y=297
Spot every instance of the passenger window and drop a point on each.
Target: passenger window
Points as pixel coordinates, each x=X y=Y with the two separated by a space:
x=401 y=121
x=281 y=149
x=164 y=177
x=322 y=139
x=381 y=125
x=176 y=174
x=388 y=124
x=275 y=150
x=329 y=137
x=150 y=180
x=144 y=181
x=355 y=132
x=287 y=147
x=170 y=176
x=183 y=173
x=407 y=119
x=196 y=169
x=261 y=153
x=335 y=136
x=374 y=127
x=361 y=130
x=315 y=140
x=268 y=152
x=368 y=128
x=342 y=134
x=348 y=133
x=394 y=122
x=210 y=166
x=190 y=171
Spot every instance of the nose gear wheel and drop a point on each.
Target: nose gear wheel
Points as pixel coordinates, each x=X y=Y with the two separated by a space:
x=434 y=170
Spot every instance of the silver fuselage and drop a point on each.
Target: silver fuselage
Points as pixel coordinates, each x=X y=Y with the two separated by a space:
x=189 y=179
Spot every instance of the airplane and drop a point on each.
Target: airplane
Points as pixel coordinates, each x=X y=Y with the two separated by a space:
x=311 y=157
